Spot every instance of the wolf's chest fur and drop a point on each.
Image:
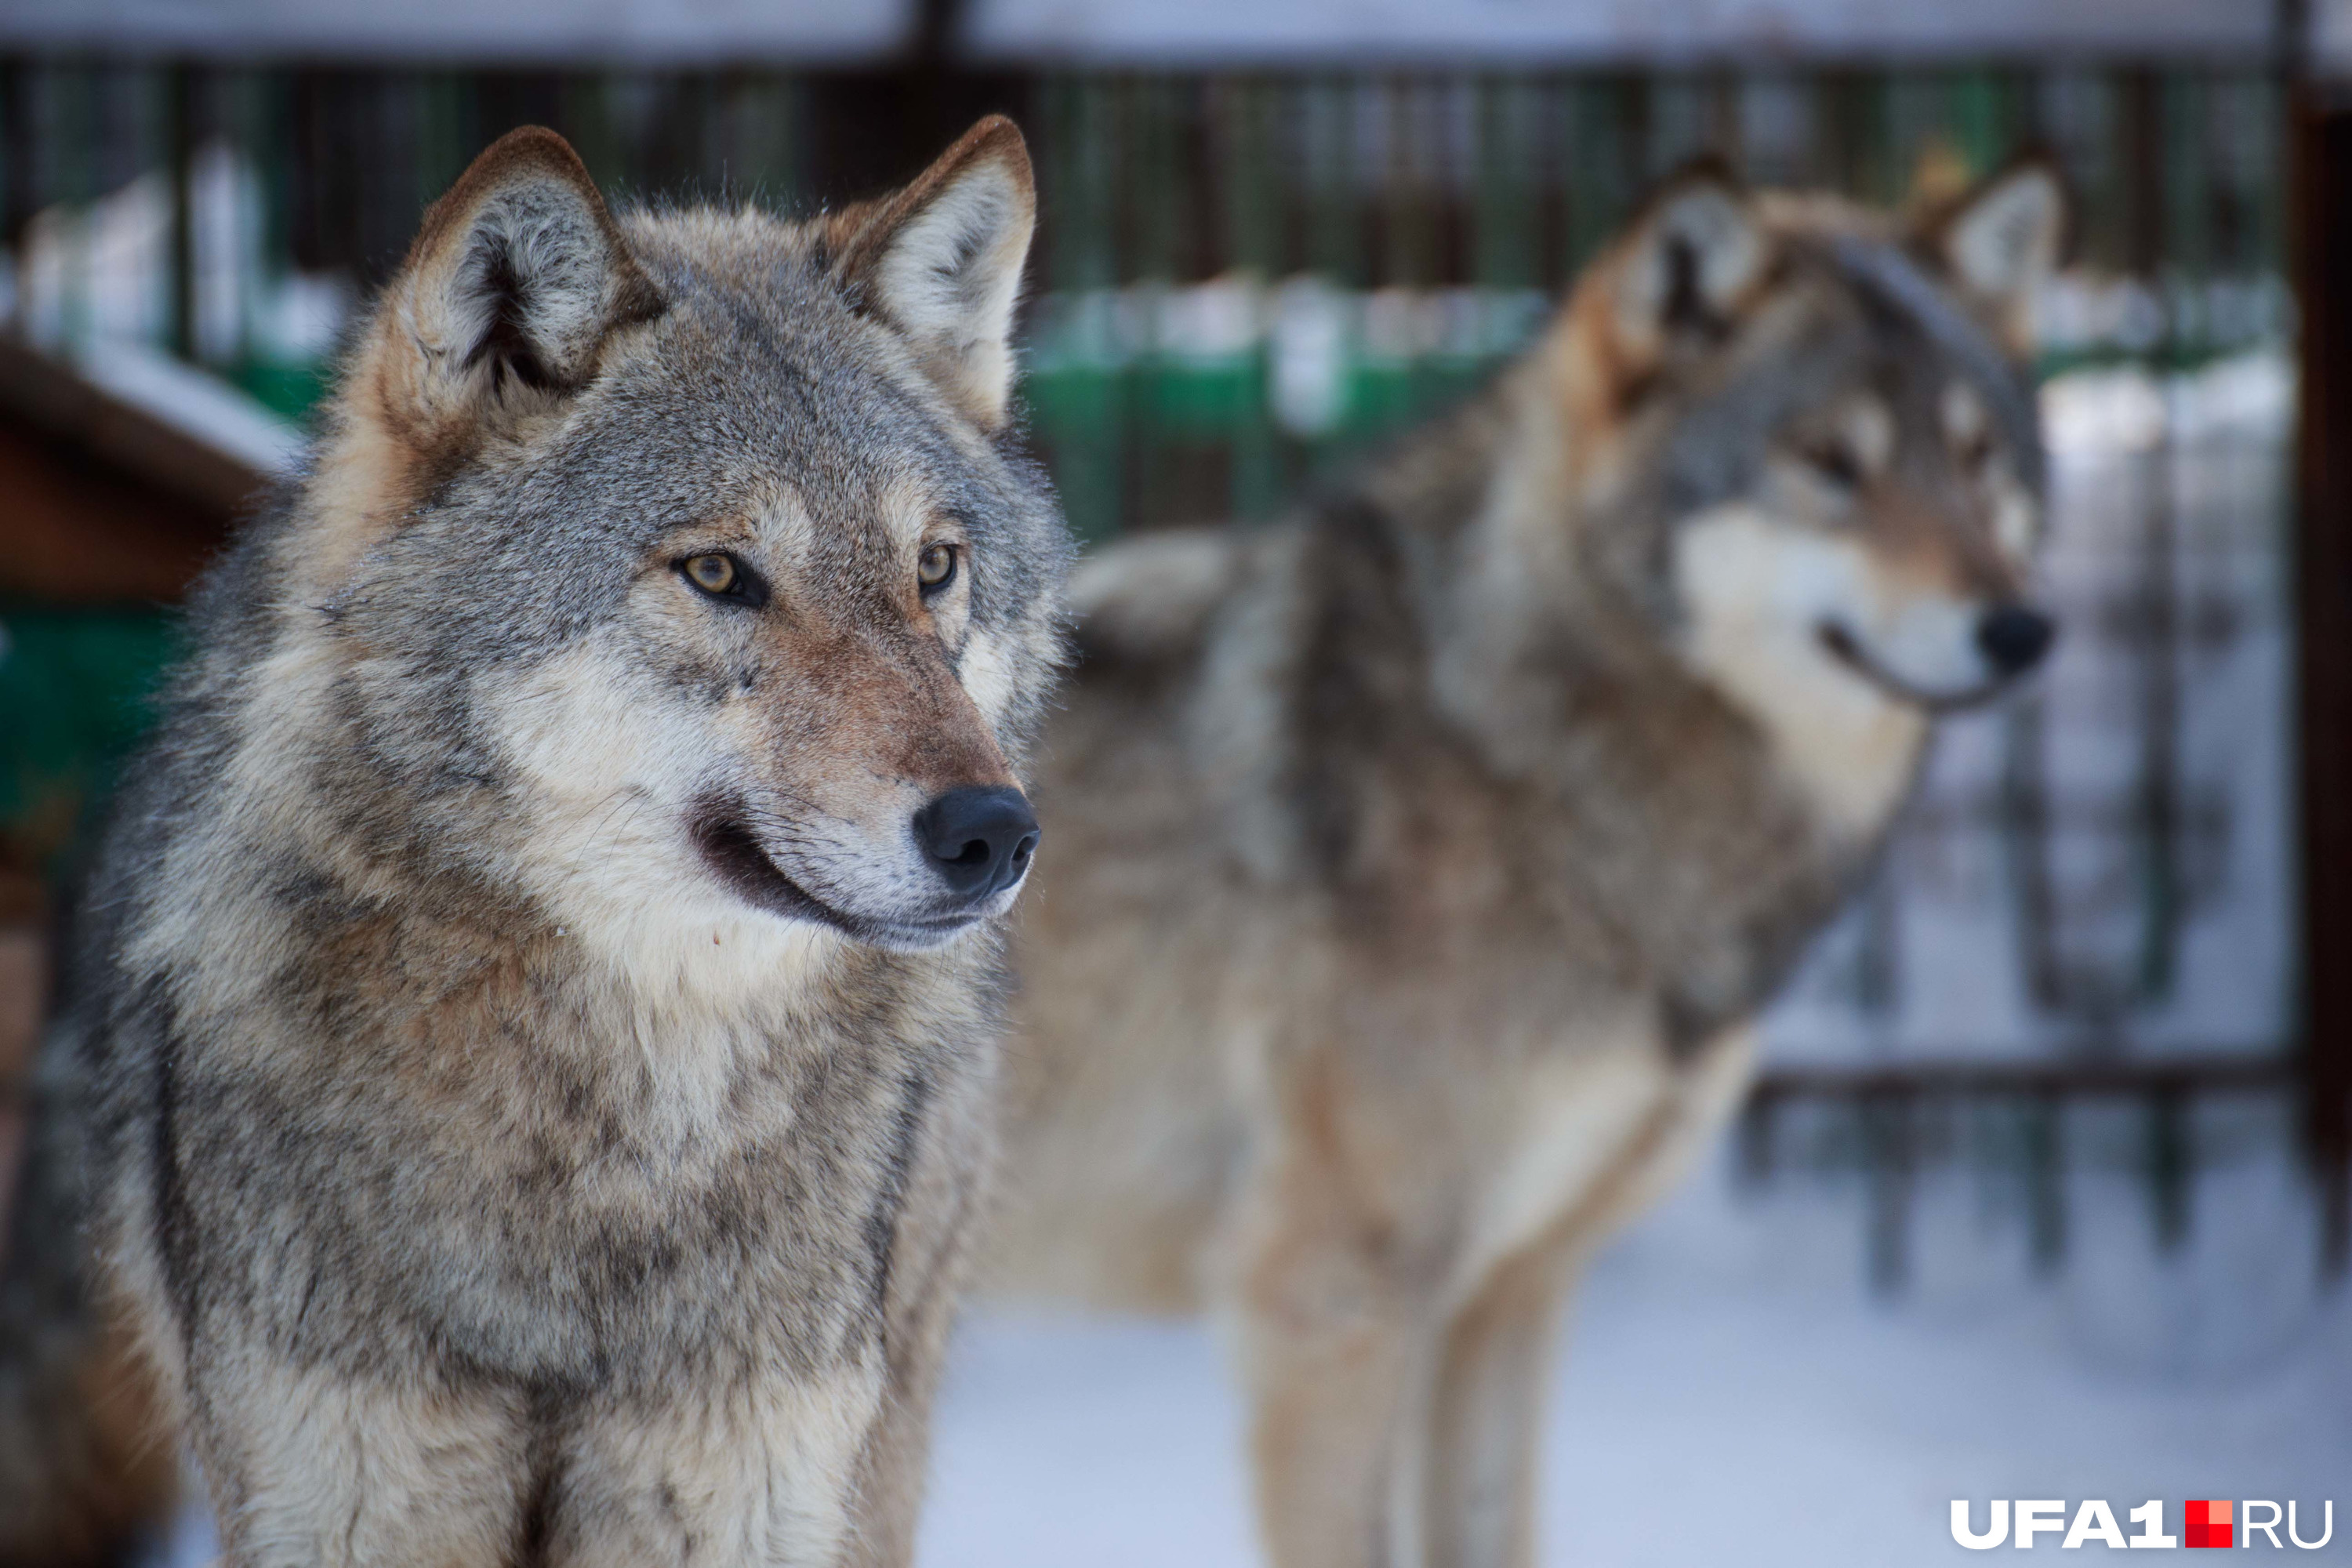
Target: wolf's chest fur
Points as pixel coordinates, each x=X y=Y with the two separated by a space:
x=596 y=1182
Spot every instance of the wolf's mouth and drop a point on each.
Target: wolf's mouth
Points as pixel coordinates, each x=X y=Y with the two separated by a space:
x=1848 y=652
x=1847 y=649
x=731 y=849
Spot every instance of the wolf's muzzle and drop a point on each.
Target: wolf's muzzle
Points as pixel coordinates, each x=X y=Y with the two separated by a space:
x=978 y=839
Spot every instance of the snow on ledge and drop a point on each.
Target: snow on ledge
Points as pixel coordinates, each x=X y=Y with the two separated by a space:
x=193 y=403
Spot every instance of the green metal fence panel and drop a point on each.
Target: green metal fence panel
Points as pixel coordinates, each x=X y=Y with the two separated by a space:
x=75 y=689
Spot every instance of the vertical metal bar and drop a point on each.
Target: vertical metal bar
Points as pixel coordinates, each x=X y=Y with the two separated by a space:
x=74 y=126
x=270 y=135
x=1245 y=176
x=2140 y=128
x=1757 y=1144
x=2269 y=155
x=1089 y=415
x=385 y=173
x=1595 y=159
x=229 y=108
x=15 y=150
x=1205 y=244
x=180 y=133
x=1335 y=237
x=1888 y=1133
x=766 y=140
x=2155 y=805
x=2322 y=228
x=1414 y=167
x=1553 y=156
x=2187 y=222
x=2081 y=119
x=1846 y=147
x=588 y=125
x=1878 y=952
x=2045 y=1182
x=2170 y=1168
x=2027 y=829
x=1502 y=233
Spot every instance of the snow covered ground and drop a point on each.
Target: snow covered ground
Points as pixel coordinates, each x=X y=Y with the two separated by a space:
x=1730 y=1394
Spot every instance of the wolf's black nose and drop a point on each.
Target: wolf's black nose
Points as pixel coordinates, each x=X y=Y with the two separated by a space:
x=978 y=839
x=2015 y=638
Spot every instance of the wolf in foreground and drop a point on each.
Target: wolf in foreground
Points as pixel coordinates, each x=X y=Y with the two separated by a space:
x=1422 y=862
x=533 y=1037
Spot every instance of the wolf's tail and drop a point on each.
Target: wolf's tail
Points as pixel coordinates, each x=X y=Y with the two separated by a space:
x=88 y=1477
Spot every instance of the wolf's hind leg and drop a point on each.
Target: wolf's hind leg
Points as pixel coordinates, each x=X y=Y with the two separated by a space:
x=307 y=1467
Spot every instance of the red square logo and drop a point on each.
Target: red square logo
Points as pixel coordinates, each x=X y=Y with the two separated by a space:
x=2209 y=1524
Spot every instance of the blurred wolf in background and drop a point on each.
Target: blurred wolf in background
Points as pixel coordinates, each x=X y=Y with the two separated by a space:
x=1422 y=862
x=529 y=1068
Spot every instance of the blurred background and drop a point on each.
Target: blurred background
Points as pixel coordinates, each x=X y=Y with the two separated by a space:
x=2042 y=1193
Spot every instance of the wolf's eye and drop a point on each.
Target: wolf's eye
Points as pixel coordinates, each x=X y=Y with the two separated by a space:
x=1833 y=462
x=722 y=576
x=935 y=567
x=712 y=574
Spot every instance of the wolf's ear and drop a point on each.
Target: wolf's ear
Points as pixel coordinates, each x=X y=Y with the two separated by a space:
x=515 y=281
x=1692 y=254
x=2000 y=242
x=940 y=260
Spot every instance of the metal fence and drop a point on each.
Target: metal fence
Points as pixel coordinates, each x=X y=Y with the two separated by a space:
x=1423 y=219
x=1243 y=278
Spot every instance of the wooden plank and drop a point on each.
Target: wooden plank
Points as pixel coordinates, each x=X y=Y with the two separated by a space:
x=50 y=398
x=77 y=532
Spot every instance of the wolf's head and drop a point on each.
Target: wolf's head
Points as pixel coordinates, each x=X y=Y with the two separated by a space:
x=672 y=568
x=1817 y=436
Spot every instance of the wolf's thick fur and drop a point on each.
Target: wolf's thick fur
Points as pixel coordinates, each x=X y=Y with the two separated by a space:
x=528 y=1079
x=1421 y=862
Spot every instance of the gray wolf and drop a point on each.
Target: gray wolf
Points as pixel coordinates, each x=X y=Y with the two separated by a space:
x=1422 y=861
x=527 y=1083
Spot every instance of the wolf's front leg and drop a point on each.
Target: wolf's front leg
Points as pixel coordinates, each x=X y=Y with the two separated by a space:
x=926 y=1279
x=1490 y=1371
x=760 y=1468
x=1485 y=1413
x=309 y=1466
x=1329 y=1336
